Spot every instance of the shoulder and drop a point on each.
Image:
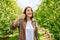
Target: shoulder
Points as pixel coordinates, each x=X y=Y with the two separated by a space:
x=33 y=19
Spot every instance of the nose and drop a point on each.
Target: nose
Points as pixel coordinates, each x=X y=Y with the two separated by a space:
x=30 y=11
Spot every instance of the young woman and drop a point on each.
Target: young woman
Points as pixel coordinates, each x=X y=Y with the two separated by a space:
x=27 y=25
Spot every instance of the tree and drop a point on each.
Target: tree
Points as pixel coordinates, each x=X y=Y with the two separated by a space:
x=48 y=16
x=8 y=12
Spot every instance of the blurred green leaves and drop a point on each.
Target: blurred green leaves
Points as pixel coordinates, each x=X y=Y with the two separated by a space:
x=48 y=16
x=8 y=12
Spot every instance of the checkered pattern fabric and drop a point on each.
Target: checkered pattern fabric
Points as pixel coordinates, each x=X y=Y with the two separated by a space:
x=21 y=27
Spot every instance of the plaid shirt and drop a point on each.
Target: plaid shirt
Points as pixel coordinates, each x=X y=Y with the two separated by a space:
x=21 y=27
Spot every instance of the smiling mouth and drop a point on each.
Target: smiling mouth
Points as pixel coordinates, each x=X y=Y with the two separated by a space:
x=29 y=13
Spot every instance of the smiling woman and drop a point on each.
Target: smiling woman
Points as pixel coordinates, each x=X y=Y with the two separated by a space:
x=27 y=26
x=32 y=3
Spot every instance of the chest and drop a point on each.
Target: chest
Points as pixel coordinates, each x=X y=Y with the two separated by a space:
x=24 y=25
x=27 y=24
x=29 y=27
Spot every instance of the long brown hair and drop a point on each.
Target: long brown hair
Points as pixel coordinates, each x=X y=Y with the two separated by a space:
x=26 y=15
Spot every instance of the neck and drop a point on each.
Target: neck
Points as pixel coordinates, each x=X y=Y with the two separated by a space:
x=28 y=19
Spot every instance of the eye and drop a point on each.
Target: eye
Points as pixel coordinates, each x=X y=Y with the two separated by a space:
x=27 y=10
x=31 y=10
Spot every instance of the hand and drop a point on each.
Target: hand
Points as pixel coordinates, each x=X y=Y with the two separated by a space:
x=22 y=16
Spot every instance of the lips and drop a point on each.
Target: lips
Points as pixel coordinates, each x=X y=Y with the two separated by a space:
x=29 y=13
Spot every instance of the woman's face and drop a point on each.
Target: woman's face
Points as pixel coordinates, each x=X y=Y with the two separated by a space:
x=29 y=12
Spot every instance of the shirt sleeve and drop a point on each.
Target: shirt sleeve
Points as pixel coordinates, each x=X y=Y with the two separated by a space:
x=35 y=21
x=36 y=24
x=36 y=34
x=12 y=26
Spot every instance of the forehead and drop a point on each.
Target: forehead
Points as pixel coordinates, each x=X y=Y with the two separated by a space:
x=29 y=8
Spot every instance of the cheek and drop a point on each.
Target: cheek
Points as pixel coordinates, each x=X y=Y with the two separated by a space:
x=29 y=14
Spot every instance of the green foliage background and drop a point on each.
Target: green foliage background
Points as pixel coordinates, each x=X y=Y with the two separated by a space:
x=8 y=12
x=47 y=16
